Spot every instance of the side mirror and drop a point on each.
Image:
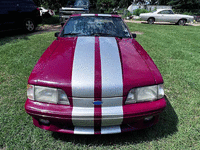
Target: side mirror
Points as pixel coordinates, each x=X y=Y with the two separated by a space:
x=56 y=34
x=62 y=24
x=134 y=35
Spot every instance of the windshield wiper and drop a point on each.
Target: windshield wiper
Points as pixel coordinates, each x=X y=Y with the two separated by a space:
x=106 y=34
x=101 y=34
x=71 y=34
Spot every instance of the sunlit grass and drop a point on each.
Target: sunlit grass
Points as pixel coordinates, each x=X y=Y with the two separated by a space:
x=174 y=49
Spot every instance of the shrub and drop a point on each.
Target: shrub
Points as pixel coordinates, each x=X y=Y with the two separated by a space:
x=128 y=14
x=137 y=12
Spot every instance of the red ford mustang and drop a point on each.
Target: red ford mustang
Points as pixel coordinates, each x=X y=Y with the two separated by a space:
x=95 y=78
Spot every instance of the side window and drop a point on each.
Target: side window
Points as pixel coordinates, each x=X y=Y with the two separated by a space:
x=171 y=12
x=161 y=12
x=166 y=12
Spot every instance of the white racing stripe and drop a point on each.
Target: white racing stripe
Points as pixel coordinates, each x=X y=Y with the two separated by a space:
x=83 y=80
x=83 y=85
x=110 y=130
x=112 y=82
x=112 y=111
x=83 y=130
x=83 y=68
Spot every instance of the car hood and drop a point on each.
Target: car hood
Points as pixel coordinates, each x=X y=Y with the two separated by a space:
x=95 y=67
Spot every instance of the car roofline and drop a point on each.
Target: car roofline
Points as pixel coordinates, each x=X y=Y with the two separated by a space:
x=100 y=15
x=162 y=9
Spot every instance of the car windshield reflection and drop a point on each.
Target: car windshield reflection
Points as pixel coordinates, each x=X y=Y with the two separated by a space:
x=95 y=26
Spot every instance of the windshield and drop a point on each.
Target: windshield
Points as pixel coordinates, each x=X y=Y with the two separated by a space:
x=95 y=26
x=81 y=3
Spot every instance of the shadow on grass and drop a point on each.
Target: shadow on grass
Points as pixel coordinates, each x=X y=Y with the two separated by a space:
x=167 y=125
x=12 y=36
x=16 y=34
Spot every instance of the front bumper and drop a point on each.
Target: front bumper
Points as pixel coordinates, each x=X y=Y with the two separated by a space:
x=60 y=118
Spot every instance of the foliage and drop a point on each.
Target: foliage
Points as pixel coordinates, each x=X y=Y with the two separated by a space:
x=51 y=20
x=185 y=4
x=98 y=4
x=137 y=12
x=188 y=13
x=107 y=5
x=163 y=2
x=52 y=4
x=128 y=14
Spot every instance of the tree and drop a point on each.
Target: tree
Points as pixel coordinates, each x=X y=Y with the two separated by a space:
x=164 y=2
x=109 y=4
x=52 y=4
x=153 y=2
x=185 y=4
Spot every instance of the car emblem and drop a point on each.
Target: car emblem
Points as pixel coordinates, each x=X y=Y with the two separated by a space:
x=97 y=102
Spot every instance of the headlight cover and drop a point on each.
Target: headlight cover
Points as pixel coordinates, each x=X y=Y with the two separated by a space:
x=47 y=94
x=148 y=93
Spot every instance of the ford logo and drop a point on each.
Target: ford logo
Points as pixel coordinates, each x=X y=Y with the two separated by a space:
x=97 y=102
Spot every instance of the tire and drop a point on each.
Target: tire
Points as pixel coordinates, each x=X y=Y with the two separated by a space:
x=151 y=21
x=29 y=25
x=181 y=22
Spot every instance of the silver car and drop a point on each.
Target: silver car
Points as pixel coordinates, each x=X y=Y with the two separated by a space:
x=166 y=15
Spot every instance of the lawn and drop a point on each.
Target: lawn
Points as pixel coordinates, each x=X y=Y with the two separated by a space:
x=174 y=49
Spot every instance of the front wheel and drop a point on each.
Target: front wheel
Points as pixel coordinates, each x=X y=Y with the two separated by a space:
x=29 y=25
x=151 y=21
x=181 y=22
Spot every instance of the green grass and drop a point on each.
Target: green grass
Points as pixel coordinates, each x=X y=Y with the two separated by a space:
x=174 y=49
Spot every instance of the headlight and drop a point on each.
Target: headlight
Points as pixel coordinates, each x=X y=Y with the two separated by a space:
x=47 y=94
x=148 y=93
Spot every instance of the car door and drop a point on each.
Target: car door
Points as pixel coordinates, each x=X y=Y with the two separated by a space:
x=171 y=16
x=167 y=16
x=162 y=17
x=3 y=15
x=8 y=12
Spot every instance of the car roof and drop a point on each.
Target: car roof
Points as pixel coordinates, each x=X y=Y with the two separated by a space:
x=100 y=15
x=162 y=9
